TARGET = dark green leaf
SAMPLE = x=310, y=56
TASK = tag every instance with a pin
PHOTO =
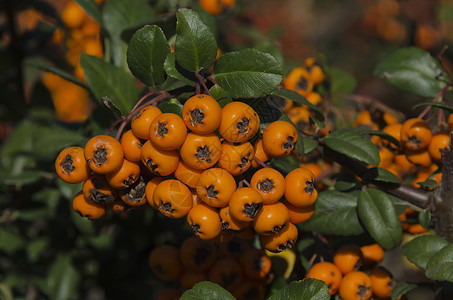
x=62, y=279
x=413, y=70
x=341, y=81
x=272, y=49
x=440, y=264
x=146, y=55
x=424, y=218
x=401, y=289
x=56, y=71
x=83, y=224
x=25, y=177
x=377, y=213
x=171, y=107
x=381, y=134
x=380, y=175
x=174, y=72
x=207, y=290
x=31, y=214
x=195, y=45
x=91, y=9
x=444, y=106
x=298, y=98
x=428, y=183
x=118, y=15
x=345, y=182
x=248, y=73
x=277, y=285
x=307, y=289
x=220, y=94
x=284, y=164
x=106, y=80
x=353, y=145
x=10, y=242
x=53, y=140
x=299, y=145
x=35, y=248
x=335, y=213
x=309, y=143
x=422, y=248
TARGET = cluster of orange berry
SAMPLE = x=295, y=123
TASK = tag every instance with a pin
x=236, y=266
x=354, y=273
x=181, y=167
x=215, y=7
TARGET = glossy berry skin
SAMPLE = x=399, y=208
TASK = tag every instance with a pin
x=215, y=187
x=372, y=254
x=355, y=285
x=229, y=222
x=124, y=177
x=270, y=183
x=299, y=215
x=200, y=151
x=142, y=121
x=245, y=204
x=167, y=131
x=348, y=258
x=132, y=146
x=173, y=198
x=149, y=190
x=239, y=123
x=439, y=141
x=71, y=165
x=187, y=175
x=327, y=272
x=204, y=221
x=104, y=154
x=97, y=190
x=159, y=162
x=271, y=219
x=86, y=208
x=236, y=158
x=280, y=241
x=300, y=187
x=202, y=114
x=299, y=80
x=415, y=134
x=259, y=154
x=279, y=138
x=382, y=282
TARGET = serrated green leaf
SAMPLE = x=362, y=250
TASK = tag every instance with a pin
x=422, y=248
x=353, y=145
x=146, y=55
x=248, y=73
x=195, y=45
x=444, y=106
x=298, y=98
x=106, y=80
x=341, y=82
x=207, y=290
x=177, y=72
x=413, y=70
x=10, y=242
x=307, y=289
x=56, y=71
x=345, y=182
x=380, y=175
x=401, y=289
x=335, y=213
x=119, y=15
x=91, y=8
x=424, y=218
x=62, y=279
x=377, y=213
x=440, y=264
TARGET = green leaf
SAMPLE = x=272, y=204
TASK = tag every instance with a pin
x=440, y=264
x=353, y=145
x=35, y=248
x=25, y=177
x=377, y=213
x=146, y=55
x=171, y=107
x=307, y=289
x=428, y=183
x=444, y=106
x=220, y=94
x=62, y=279
x=6, y=292
x=422, y=248
x=345, y=182
x=56, y=71
x=195, y=45
x=380, y=175
x=298, y=98
x=177, y=72
x=248, y=73
x=277, y=284
x=119, y=15
x=413, y=70
x=207, y=290
x=335, y=213
x=10, y=242
x=381, y=134
x=401, y=289
x=341, y=81
x=299, y=145
x=91, y=9
x=53, y=140
x=106, y=80
x=309, y=143
x=424, y=218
